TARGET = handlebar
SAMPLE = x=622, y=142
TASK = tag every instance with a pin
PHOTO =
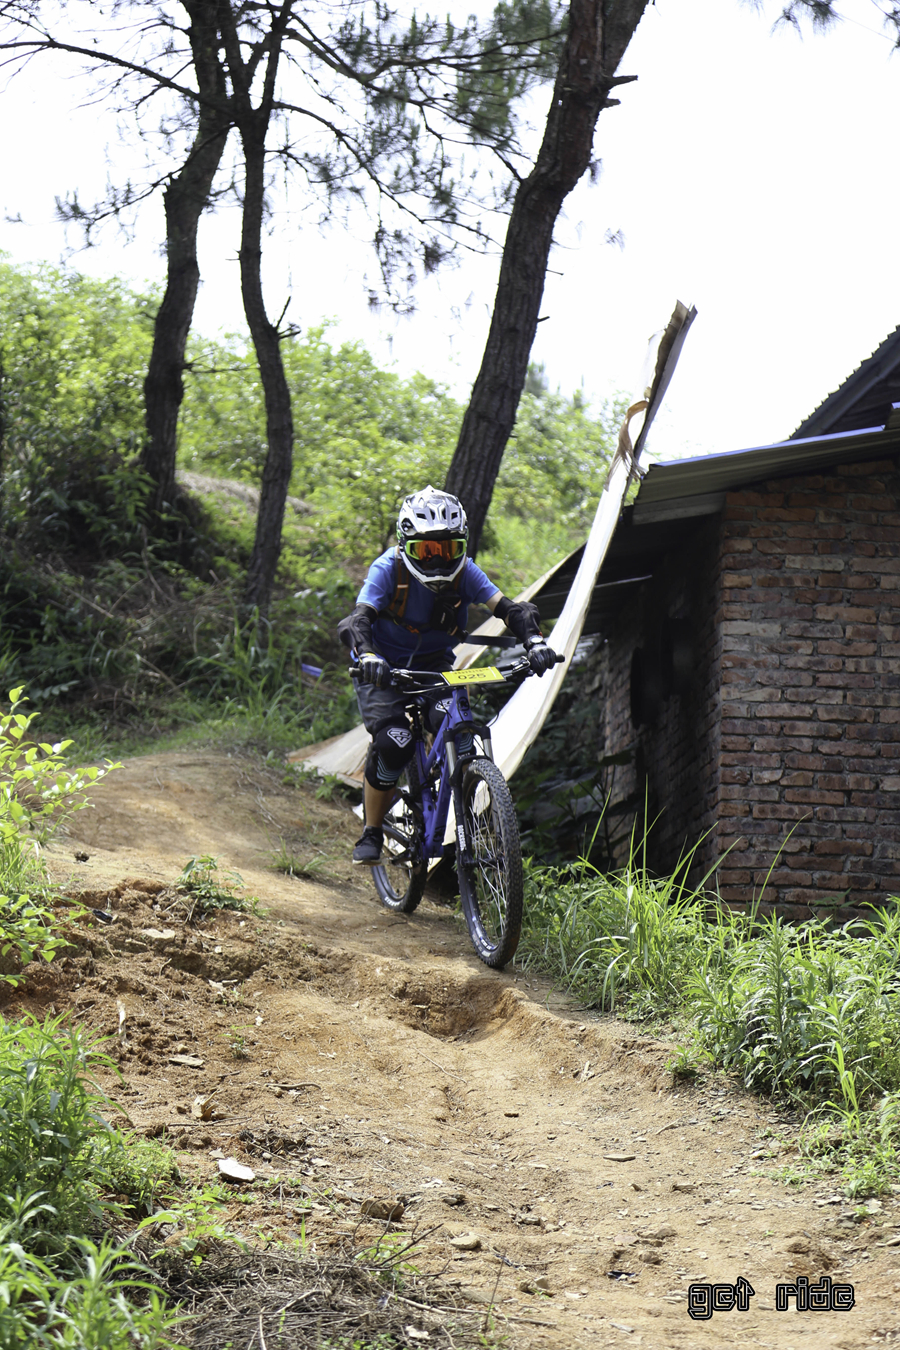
x=403, y=678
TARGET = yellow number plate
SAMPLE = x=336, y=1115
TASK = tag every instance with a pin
x=480, y=675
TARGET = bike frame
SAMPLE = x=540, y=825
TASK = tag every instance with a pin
x=444, y=757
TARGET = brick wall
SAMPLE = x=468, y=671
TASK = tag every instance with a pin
x=810, y=690
x=792, y=720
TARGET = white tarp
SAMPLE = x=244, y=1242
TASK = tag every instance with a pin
x=517, y=724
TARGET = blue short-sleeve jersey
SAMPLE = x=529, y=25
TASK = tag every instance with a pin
x=397, y=643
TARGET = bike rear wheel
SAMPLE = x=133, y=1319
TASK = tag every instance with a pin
x=400, y=879
x=491, y=884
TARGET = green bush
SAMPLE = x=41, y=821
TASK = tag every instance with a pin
x=49, y=1122
x=37, y=793
x=105, y=1303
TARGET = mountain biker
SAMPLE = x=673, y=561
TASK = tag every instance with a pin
x=412, y=611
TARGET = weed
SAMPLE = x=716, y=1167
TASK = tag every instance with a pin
x=199, y=880
x=389, y=1255
x=292, y=863
x=142, y=1171
x=50, y=1124
x=237, y=1044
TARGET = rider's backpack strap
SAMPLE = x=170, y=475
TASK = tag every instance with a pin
x=447, y=609
x=397, y=607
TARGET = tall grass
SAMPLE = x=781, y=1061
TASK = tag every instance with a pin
x=64, y=1279
x=806, y=1013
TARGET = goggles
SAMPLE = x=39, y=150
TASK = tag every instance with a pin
x=434, y=553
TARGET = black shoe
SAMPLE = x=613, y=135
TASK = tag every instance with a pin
x=368, y=846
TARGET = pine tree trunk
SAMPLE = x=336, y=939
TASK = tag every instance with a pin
x=185, y=200
x=599, y=31
x=279, y=417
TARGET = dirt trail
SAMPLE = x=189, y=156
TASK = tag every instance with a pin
x=384, y=1060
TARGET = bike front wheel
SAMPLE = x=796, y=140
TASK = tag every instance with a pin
x=400, y=879
x=490, y=876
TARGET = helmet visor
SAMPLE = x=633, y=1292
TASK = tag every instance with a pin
x=434, y=554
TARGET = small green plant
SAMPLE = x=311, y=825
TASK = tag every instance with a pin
x=294, y=863
x=200, y=882
x=237, y=1043
x=389, y=1255
x=139, y=1171
x=198, y=1222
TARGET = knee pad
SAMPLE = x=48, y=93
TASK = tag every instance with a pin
x=389, y=753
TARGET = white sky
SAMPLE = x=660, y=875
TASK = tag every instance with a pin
x=750, y=173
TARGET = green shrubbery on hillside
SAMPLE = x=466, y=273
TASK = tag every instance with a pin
x=365, y=437
x=101, y=609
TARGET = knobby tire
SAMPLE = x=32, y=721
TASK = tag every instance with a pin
x=400, y=884
x=491, y=885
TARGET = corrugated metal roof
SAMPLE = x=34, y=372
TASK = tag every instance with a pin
x=739, y=468
x=863, y=398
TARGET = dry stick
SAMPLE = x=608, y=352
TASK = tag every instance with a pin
x=484, y=1324
x=448, y=1072
x=262, y=1339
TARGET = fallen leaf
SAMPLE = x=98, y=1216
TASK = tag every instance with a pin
x=202, y=1107
x=620, y=1157
x=188, y=1061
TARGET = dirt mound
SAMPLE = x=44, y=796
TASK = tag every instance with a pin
x=541, y=1154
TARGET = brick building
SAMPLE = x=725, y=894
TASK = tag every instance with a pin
x=750, y=611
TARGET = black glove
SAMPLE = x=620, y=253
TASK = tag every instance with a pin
x=540, y=656
x=521, y=617
x=373, y=669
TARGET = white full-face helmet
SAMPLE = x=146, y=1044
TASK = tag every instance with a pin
x=433, y=533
